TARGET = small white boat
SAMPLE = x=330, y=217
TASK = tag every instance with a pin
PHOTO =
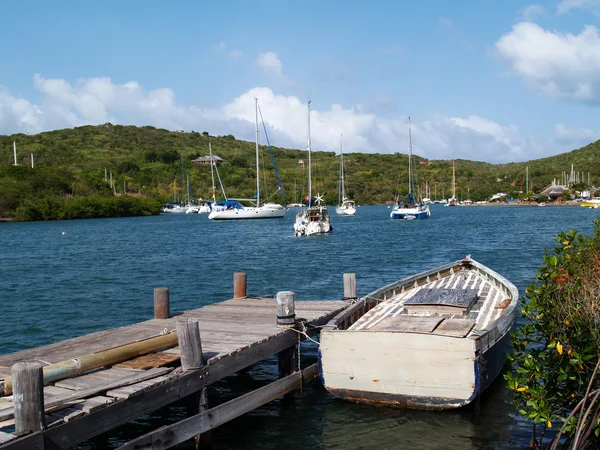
x=174, y=208
x=435, y=340
x=411, y=209
x=314, y=219
x=452, y=200
x=346, y=207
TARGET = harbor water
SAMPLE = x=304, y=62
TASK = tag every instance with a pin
x=63, y=279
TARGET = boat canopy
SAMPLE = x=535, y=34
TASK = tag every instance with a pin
x=229, y=204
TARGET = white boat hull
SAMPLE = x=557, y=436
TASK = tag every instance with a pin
x=399, y=369
x=248, y=212
x=175, y=210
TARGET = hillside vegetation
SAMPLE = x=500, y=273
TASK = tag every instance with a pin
x=155, y=163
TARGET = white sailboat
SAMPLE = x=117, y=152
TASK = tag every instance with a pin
x=346, y=207
x=411, y=209
x=233, y=210
x=452, y=201
x=314, y=219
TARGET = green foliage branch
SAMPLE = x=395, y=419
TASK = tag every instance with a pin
x=556, y=350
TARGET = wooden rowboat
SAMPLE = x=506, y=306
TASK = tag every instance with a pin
x=435, y=340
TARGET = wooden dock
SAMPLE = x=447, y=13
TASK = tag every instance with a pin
x=94, y=383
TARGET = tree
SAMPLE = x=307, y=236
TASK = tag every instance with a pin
x=556, y=351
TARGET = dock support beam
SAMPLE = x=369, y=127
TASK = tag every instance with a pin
x=28, y=394
x=239, y=284
x=190, y=347
x=161, y=303
x=350, y=286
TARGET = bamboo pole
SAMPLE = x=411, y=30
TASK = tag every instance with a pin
x=76, y=366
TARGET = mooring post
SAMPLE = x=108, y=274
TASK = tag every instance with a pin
x=286, y=317
x=350, y=286
x=239, y=284
x=161, y=303
x=28, y=395
x=190, y=348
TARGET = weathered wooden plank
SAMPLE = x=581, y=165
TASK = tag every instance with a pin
x=171, y=435
x=5, y=437
x=455, y=327
x=407, y=324
x=137, y=388
x=97, y=378
x=58, y=401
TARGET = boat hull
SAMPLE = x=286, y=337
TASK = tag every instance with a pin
x=418, y=212
x=248, y=213
x=410, y=370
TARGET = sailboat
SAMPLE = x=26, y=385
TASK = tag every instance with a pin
x=233, y=210
x=314, y=219
x=346, y=207
x=411, y=209
x=452, y=201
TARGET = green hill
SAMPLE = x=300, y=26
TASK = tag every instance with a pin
x=71, y=164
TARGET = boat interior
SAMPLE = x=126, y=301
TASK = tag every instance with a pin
x=455, y=304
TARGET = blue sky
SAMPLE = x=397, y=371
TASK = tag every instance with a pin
x=488, y=81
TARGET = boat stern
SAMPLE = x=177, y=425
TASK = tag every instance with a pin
x=408, y=370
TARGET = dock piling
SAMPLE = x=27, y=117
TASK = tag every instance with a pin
x=350, y=286
x=28, y=395
x=286, y=314
x=190, y=346
x=239, y=284
x=161, y=303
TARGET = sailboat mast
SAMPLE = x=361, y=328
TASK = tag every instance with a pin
x=453, y=179
x=257, y=164
x=212, y=172
x=309, y=162
x=410, y=181
x=342, y=166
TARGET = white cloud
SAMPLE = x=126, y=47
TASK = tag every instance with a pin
x=233, y=54
x=567, y=5
x=270, y=63
x=557, y=64
x=531, y=12
x=576, y=138
x=98, y=100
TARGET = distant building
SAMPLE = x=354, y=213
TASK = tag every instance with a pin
x=179, y=131
x=206, y=160
x=553, y=191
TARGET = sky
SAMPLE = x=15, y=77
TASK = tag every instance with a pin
x=502, y=81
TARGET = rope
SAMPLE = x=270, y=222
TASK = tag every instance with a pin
x=299, y=365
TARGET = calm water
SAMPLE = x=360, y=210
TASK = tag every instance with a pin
x=65, y=279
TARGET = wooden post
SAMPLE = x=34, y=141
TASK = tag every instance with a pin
x=239, y=284
x=161, y=303
x=286, y=314
x=28, y=394
x=190, y=348
x=350, y=286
